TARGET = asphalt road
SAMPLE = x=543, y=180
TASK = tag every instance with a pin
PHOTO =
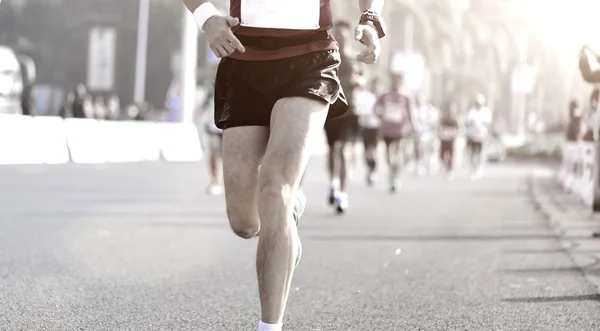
x=142, y=247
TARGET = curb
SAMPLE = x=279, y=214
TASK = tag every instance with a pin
x=572, y=222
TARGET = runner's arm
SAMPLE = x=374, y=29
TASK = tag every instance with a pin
x=374, y=5
x=192, y=5
x=489, y=120
x=411, y=115
x=597, y=125
x=218, y=32
x=587, y=61
x=377, y=107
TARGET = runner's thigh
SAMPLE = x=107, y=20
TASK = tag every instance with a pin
x=311, y=93
x=243, y=150
x=296, y=124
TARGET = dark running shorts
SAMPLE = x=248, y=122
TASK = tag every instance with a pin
x=475, y=146
x=246, y=91
x=391, y=140
x=343, y=129
x=370, y=137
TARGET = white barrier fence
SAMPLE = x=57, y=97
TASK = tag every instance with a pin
x=577, y=171
x=53, y=140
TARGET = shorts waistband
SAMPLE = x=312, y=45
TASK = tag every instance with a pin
x=275, y=43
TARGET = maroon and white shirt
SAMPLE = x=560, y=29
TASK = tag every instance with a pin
x=281, y=18
x=394, y=109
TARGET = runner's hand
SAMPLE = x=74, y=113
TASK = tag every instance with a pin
x=368, y=36
x=221, y=39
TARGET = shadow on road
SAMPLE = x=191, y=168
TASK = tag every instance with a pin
x=551, y=251
x=552, y=270
x=433, y=237
x=591, y=297
x=536, y=251
x=476, y=237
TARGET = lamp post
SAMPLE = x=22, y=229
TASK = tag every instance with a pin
x=141, y=52
x=189, y=62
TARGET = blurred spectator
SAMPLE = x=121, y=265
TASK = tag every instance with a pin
x=145, y=110
x=67, y=108
x=114, y=107
x=100, y=109
x=137, y=112
x=82, y=106
x=589, y=117
x=28, y=96
x=574, y=128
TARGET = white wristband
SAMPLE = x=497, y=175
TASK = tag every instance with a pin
x=204, y=12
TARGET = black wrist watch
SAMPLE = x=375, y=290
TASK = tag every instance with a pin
x=372, y=18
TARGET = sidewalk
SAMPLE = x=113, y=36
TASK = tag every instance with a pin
x=572, y=221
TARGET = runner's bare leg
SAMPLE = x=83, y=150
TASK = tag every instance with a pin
x=243, y=149
x=345, y=165
x=333, y=161
x=295, y=123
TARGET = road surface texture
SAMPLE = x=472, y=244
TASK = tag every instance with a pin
x=573, y=222
x=142, y=247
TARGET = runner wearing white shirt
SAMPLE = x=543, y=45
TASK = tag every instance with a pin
x=365, y=99
x=478, y=124
x=426, y=138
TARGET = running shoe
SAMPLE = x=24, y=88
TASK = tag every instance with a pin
x=477, y=174
x=333, y=193
x=214, y=189
x=395, y=184
x=341, y=202
x=421, y=171
x=370, y=178
x=299, y=206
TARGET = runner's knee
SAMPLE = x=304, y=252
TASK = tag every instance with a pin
x=347, y=152
x=275, y=191
x=241, y=219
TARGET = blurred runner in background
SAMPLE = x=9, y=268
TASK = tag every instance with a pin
x=365, y=99
x=447, y=132
x=343, y=132
x=427, y=119
x=394, y=110
x=478, y=125
x=211, y=136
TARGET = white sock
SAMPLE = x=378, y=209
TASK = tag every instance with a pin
x=269, y=327
x=335, y=183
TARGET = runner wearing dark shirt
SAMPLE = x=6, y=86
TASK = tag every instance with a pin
x=448, y=131
x=276, y=85
x=343, y=132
